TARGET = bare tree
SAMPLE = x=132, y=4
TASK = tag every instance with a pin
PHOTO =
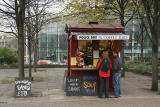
x=29, y=37
x=124, y=11
x=37, y=17
x=152, y=14
x=142, y=39
x=14, y=10
x=152, y=11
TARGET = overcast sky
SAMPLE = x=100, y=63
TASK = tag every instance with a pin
x=55, y=8
x=59, y=6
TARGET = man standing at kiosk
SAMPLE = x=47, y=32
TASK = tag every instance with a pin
x=104, y=65
x=117, y=64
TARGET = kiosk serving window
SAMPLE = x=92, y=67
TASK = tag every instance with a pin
x=87, y=50
x=89, y=55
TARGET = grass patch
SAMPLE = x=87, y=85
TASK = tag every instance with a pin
x=144, y=68
x=27, y=66
x=39, y=79
x=38, y=71
x=8, y=80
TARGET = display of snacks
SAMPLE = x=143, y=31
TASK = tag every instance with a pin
x=79, y=59
x=88, y=54
x=89, y=66
x=84, y=56
x=80, y=65
x=80, y=54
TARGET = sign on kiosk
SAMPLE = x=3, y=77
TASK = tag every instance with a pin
x=103, y=37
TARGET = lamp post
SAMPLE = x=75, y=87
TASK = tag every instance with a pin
x=58, y=43
x=27, y=57
x=47, y=42
x=132, y=44
x=3, y=40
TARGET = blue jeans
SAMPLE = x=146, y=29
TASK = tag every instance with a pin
x=116, y=83
x=101, y=87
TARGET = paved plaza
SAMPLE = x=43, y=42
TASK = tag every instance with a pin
x=135, y=92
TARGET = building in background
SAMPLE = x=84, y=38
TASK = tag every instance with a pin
x=133, y=47
x=53, y=41
x=9, y=41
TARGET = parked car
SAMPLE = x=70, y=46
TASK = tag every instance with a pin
x=44, y=62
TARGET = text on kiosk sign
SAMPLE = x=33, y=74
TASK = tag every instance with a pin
x=102, y=37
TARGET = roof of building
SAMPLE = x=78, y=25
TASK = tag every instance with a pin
x=94, y=26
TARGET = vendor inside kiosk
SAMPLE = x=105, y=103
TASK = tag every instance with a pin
x=91, y=53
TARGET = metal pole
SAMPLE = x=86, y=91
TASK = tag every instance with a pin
x=27, y=60
x=58, y=43
x=39, y=40
x=133, y=41
x=4, y=42
x=47, y=42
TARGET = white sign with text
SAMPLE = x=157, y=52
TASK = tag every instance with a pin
x=103, y=37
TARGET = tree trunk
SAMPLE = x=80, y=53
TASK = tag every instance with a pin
x=36, y=41
x=30, y=57
x=21, y=53
x=142, y=50
x=142, y=43
x=20, y=18
x=35, y=53
x=29, y=43
x=154, y=61
x=123, y=60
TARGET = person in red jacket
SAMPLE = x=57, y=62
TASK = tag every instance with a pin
x=104, y=66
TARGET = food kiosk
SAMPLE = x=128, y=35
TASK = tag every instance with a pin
x=85, y=44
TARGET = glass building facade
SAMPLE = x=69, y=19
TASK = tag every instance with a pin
x=52, y=41
x=133, y=47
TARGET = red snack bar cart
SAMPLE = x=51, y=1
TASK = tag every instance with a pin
x=87, y=41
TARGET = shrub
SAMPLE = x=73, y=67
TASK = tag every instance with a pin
x=7, y=56
x=149, y=62
x=137, y=61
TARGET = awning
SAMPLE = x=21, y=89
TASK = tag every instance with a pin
x=100, y=36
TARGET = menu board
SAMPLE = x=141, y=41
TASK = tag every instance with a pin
x=73, y=86
x=89, y=85
x=22, y=87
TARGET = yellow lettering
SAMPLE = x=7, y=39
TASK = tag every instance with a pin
x=87, y=84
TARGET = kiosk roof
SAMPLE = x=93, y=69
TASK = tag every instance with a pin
x=93, y=27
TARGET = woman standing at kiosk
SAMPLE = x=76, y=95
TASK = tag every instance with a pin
x=104, y=66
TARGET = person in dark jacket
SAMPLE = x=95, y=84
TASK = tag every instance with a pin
x=104, y=65
x=117, y=64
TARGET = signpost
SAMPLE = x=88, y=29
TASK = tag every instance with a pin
x=73, y=86
x=22, y=87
